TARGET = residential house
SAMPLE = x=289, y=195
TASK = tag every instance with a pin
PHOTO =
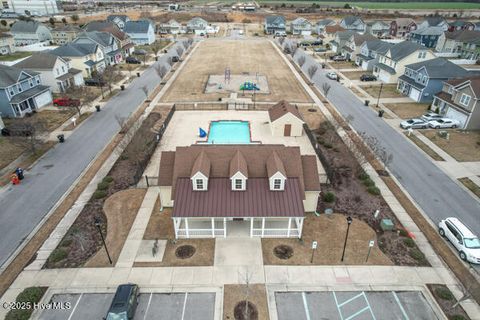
x=379, y=29
x=301, y=26
x=197, y=26
x=436, y=21
x=353, y=23
x=54, y=71
x=7, y=44
x=368, y=56
x=341, y=37
x=170, y=27
x=141, y=32
x=65, y=34
x=461, y=25
x=330, y=33
x=401, y=27
x=87, y=57
x=391, y=64
x=119, y=19
x=427, y=36
x=107, y=43
x=21, y=92
x=465, y=44
x=320, y=25
x=29, y=32
x=354, y=43
x=275, y=25
x=422, y=80
x=123, y=40
x=213, y=188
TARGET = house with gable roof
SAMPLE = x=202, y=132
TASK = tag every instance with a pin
x=353, y=23
x=301, y=26
x=285, y=120
x=29, y=32
x=276, y=25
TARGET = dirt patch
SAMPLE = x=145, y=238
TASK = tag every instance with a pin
x=120, y=211
x=234, y=301
x=160, y=225
x=343, y=65
x=470, y=185
x=408, y=110
x=9, y=151
x=52, y=119
x=213, y=56
x=312, y=116
x=283, y=252
x=425, y=148
x=447, y=301
x=388, y=91
x=462, y=145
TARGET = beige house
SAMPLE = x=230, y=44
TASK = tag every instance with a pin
x=87, y=57
x=65, y=34
x=285, y=120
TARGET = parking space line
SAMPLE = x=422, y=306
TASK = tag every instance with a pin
x=368, y=304
x=184, y=305
x=305, y=305
x=75, y=307
x=400, y=305
x=351, y=299
x=336, y=303
x=357, y=313
x=148, y=306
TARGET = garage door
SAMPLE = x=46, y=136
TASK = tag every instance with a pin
x=414, y=94
x=306, y=33
x=454, y=114
x=43, y=99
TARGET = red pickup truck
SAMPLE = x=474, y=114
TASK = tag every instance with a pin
x=66, y=102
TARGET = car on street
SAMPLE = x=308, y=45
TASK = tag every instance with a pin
x=175, y=59
x=132, y=60
x=66, y=102
x=414, y=123
x=462, y=238
x=339, y=58
x=140, y=52
x=431, y=116
x=332, y=75
x=368, y=77
x=124, y=303
x=443, y=123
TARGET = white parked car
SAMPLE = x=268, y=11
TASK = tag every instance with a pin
x=332, y=75
x=431, y=116
x=415, y=123
x=443, y=123
x=467, y=244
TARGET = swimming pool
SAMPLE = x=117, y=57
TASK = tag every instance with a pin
x=229, y=132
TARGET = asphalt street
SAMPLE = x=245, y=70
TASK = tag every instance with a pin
x=23, y=206
x=434, y=191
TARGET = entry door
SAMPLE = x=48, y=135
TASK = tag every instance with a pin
x=287, y=130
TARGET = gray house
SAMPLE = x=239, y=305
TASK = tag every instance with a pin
x=29, y=32
x=140, y=32
x=368, y=56
x=106, y=41
x=422, y=80
x=197, y=25
x=354, y=23
x=301, y=26
x=21, y=92
x=119, y=19
x=275, y=25
x=322, y=24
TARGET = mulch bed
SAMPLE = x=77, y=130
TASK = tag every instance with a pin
x=240, y=312
x=234, y=302
x=446, y=301
x=185, y=251
x=283, y=251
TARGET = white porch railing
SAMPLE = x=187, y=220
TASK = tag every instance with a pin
x=200, y=233
x=275, y=233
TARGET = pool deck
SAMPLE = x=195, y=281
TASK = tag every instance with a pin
x=183, y=131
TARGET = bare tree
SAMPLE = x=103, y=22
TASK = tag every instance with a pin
x=287, y=49
x=26, y=133
x=281, y=40
x=190, y=41
x=466, y=293
x=161, y=71
x=110, y=75
x=294, y=49
x=129, y=68
x=325, y=88
x=156, y=47
x=84, y=95
x=378, y=149
x=179, y=51
x=301, y=61
x=246, y=277
x=185, y=44
x=312, y=70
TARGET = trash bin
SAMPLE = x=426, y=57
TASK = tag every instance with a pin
x=323, y=65
x=138, y=74
x=122, y=87
x=61, y=138
x=367, y=102
x=97, y=107
x=156, y=58
x=380, y=113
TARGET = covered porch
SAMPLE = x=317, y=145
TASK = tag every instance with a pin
x=29, y=100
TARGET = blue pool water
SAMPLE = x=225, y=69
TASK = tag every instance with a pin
x=229, y=132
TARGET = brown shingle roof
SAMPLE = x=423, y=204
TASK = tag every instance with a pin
x=474, y=82
x=333, y=29
x=281, y=109
x=310, y=173
x=167, y=162
x=274, y=165
x=201, y=164
x=238, y=164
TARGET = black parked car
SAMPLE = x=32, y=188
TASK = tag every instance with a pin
x=93, y=82
x=174, y=59
x=132, y=60
x=368, y=77
x=124, y=303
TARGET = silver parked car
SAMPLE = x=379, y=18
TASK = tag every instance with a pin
x=414, y=123
x=431, y=116
x=332, y=75
x=462, y=238
x=443, y=123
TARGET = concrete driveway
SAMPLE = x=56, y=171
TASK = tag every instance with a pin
x=24, y=206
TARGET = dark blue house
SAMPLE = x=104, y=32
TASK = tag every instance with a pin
x=427, y=36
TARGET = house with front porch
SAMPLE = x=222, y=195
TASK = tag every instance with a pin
x=276, y=25
x=141, y=32
x=55, y=71
x=320, y=25
x=379, y=29
x=391, y=64
x=463, y=44
x=29, y=32
x=353, y=23
x=170, y=27
x=330, y=33
x=341, y=37
x=21, y=92
x=301, y=26
x=124, y=43
x=106, y=42
x=353, y=45
x=65, y=34
x=87, y=57
x=422, y=80
x=197, y=26
x=401, y=27
x=368, y=55
x=266, y=188
x=460, y=100
x=427, y=36
x=460, y=25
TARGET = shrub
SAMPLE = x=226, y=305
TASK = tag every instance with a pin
x=66, y=243
x=327, y=145
x=368, y=182
x=31, y=296
x=403, y=233
x=444, y=293
x=99, y=194
x=363, y=176
x=373, y=190
x=102, y=185
x=409, y=242
x=329, y=197
x=458, y=317
x=108, y=179
x=57, y=255
x=417, y=254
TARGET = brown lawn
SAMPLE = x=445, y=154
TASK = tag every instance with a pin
x=408, y=110
x=388, y=91
x=343, y=64
x=462, y=145
x=355, y=75
x=51, y=119
x=312, y=116
x=429, y=151
x=9, y=151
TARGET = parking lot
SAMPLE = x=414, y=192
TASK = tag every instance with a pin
x=159, y=306
x=353, y=305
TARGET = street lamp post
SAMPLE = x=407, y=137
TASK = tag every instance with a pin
x=379, y=94
x=349, y=222
x=97, y=224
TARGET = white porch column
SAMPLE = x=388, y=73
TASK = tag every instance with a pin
x=263, y=227
x=224, y=227
x=251, y=227
x=175, y=225
x=213, y=227
x=300, y=227
x=289, y=227
x=187, y=234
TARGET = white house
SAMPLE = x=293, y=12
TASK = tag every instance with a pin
x=170, y=27
x=301, y=26
x=197, y=25
x=353, y=23
x=140, y=32
x=29, y=32
x=285, y=120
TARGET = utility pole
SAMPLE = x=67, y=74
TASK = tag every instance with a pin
x=379, y=94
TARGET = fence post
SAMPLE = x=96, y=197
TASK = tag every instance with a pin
x=146, y=179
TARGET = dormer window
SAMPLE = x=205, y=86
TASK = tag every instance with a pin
x=238, y=184
x=199, y=185
x=277, y=184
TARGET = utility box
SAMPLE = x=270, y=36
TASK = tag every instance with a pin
x=386, y=225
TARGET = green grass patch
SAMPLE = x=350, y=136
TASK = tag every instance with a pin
x=329, y=197
x=57, y=255
x=444, y=293
x=27, y=297
x=15, y=56
x=99, y=194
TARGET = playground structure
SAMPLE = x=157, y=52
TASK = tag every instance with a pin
x=245, y=83
x=249, y=86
